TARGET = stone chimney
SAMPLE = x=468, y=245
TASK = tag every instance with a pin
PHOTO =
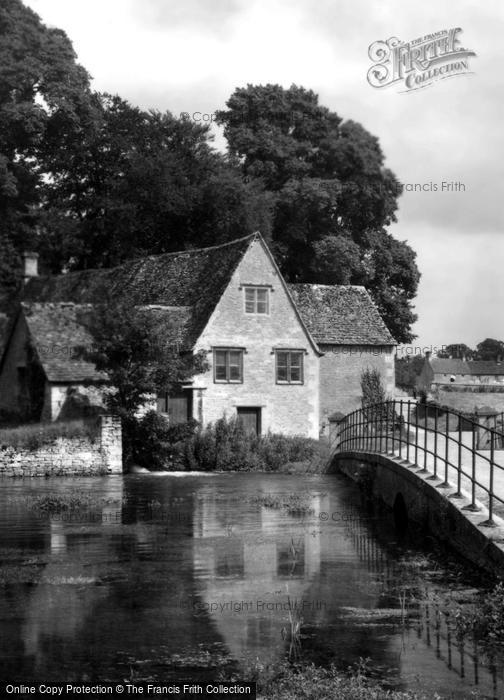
x=30, y=265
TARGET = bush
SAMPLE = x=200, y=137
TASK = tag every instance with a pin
x=372, y=389
x=226, y=446
x=35, y=435
x=486, y=621
x=157, y=445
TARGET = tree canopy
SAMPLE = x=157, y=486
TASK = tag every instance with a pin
x=43, y=92
x=89, y=180
x=333, y=197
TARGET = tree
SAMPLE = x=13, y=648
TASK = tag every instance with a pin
x=372, y=387
x=459, y=351
x=490, y=349
x=407, y=370
x=333, y=197
x=139, y=350
x=142, y=183
x=43, y=91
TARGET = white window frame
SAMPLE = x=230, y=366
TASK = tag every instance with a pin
x=254, y=291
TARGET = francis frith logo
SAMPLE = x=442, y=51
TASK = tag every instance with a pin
x=418, y=63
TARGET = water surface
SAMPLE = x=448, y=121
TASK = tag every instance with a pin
x=173, y=578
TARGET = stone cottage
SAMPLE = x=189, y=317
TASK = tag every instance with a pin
x=283, y=357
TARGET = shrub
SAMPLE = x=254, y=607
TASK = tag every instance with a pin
x=154, y=441
x=35, y=435
x=227, y=446
x=485, y=621
x=372, y=389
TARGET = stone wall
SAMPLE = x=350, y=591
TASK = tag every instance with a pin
x=341, y=368
x=285, y=408
x=69, y=456
x=414, y=497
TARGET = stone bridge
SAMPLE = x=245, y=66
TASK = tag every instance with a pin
x=429, y=470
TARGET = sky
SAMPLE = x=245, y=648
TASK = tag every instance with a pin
x=190, y=55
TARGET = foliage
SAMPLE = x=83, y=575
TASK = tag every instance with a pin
x=155, y=440
x=143, y=183
x=372, y=388
x=139, y=350
x=407, y=370
x=490, y=349
x=333, y=197
x=43, y=98
x=293, y=503
x=485, y=621
x=309, y=682
x=35, y=435
x=226, y=446
x=459, y=351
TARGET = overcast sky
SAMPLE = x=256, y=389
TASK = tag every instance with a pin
x=189, y=56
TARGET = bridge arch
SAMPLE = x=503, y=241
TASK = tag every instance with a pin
x=412, y=495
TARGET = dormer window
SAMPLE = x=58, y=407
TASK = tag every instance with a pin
x=257, y=300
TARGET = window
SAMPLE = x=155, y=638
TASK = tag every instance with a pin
x=228, y=366
x=256, y=300
x=289, y=367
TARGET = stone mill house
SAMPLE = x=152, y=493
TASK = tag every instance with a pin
x=284, y=357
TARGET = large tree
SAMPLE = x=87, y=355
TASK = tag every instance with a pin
x=490, y=349
x=138, y=183
x=333, y=196
x=42, y=90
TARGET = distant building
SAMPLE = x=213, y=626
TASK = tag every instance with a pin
x=440, y=372
x=283, y=357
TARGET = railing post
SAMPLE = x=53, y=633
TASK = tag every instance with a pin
x=416, y=435
x=408, y=431
x=446, y=484
x=490, y=522
x=458, y=493
x=386, y=426
x=424, y=469
x=435, y=440
x=400, y=431
x=436, y=416
x=473, y=507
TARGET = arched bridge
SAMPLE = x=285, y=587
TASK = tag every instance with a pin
x=434, y=466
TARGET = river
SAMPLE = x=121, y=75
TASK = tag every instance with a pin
x=167, y=577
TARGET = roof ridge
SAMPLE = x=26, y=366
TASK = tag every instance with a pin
x=129, y=261
x=329, y=286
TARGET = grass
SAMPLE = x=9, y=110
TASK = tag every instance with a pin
x=303, y=681
x=35, y=435
x=293, y=503
x=57, y=503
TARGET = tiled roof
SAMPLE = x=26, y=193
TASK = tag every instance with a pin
x=473, y=367
x=486, y=367
x=192, y=278
x=57, y=334
x=340, y=314
x=442, y=365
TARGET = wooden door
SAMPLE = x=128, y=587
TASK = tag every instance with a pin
x=178, y=406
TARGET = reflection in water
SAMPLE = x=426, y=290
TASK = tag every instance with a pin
x=166, y=576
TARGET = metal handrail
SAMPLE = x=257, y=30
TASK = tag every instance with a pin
x=395, y=424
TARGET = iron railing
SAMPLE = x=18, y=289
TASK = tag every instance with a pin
x=414, y=432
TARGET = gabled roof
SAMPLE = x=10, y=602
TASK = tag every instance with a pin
x=340, y=314
x=472, y=367
x=192, y=278
x=57, y=335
